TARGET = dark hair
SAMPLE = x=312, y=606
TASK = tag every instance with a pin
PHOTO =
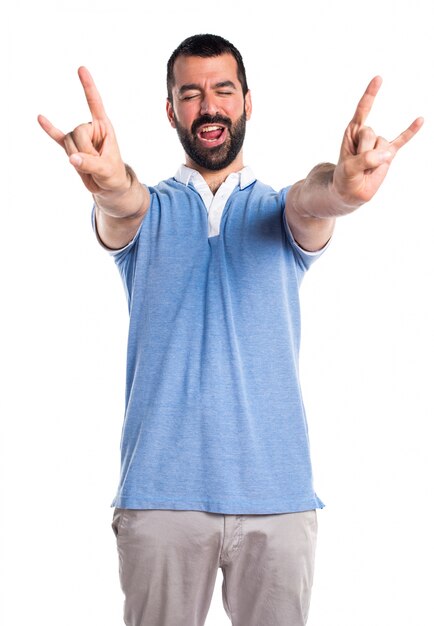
x=205, y=46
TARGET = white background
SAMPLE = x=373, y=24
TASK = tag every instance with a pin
x=367, y=335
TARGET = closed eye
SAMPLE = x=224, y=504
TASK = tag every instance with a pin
x=190, y=97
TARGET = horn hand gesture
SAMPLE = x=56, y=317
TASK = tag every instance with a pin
x=366, y=157
x=92, y=148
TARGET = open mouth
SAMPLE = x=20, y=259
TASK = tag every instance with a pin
x=212, y=134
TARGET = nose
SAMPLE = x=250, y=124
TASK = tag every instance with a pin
x=209, y=104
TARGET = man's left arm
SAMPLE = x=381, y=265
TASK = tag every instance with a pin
x=330, y=191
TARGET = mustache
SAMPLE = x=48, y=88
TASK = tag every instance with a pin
x=210, y=119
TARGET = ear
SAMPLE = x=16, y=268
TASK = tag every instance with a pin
x=248, y=104
x=170, y=113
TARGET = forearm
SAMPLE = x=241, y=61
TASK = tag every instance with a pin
x=316, y=197
x=312, y=206
x=118, y=213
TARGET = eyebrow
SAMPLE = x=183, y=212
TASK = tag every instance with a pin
x=195, y=86
x=225, y=83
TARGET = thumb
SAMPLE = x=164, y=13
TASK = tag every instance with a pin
x=76, y=160
x=87, y=164
x=369, y=160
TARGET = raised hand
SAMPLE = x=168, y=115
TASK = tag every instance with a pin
x=366, y=157
x=92, y=148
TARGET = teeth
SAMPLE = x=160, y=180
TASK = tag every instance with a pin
x=208, y=129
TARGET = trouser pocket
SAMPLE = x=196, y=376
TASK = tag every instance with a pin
x=118, y=516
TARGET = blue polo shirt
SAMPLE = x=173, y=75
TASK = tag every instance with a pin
x=214, y=416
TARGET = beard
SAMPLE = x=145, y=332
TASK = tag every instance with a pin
x=213, y=158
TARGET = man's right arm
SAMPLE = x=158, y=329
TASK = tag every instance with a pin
x=121, y=201
x=118, y=214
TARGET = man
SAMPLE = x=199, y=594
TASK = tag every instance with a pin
x=216, y=469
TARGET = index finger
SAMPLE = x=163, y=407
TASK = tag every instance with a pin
x=92, y=94
x=366, y=101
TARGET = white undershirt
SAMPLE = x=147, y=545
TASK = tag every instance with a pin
x=215, y=204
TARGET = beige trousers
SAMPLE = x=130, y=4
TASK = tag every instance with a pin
x=168, y=562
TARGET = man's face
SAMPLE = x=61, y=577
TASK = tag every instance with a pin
x=209, y=111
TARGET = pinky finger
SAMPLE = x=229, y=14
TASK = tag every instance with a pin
x=51, y=130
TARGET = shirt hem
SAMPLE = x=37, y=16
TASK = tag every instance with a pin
x=214, y=506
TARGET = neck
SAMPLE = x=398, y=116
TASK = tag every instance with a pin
x=214, y=178
x=215, y=182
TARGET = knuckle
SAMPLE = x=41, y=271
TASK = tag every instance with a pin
x=77, y=132
x=367, y=132
x=371, y=159
x=69, y=144
x=381, y=141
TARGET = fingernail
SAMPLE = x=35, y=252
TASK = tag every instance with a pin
x=75, y=160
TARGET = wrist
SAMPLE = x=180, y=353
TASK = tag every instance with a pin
x=315, y=196
x=118, y=185
x=342, y=202
x=126, y=200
